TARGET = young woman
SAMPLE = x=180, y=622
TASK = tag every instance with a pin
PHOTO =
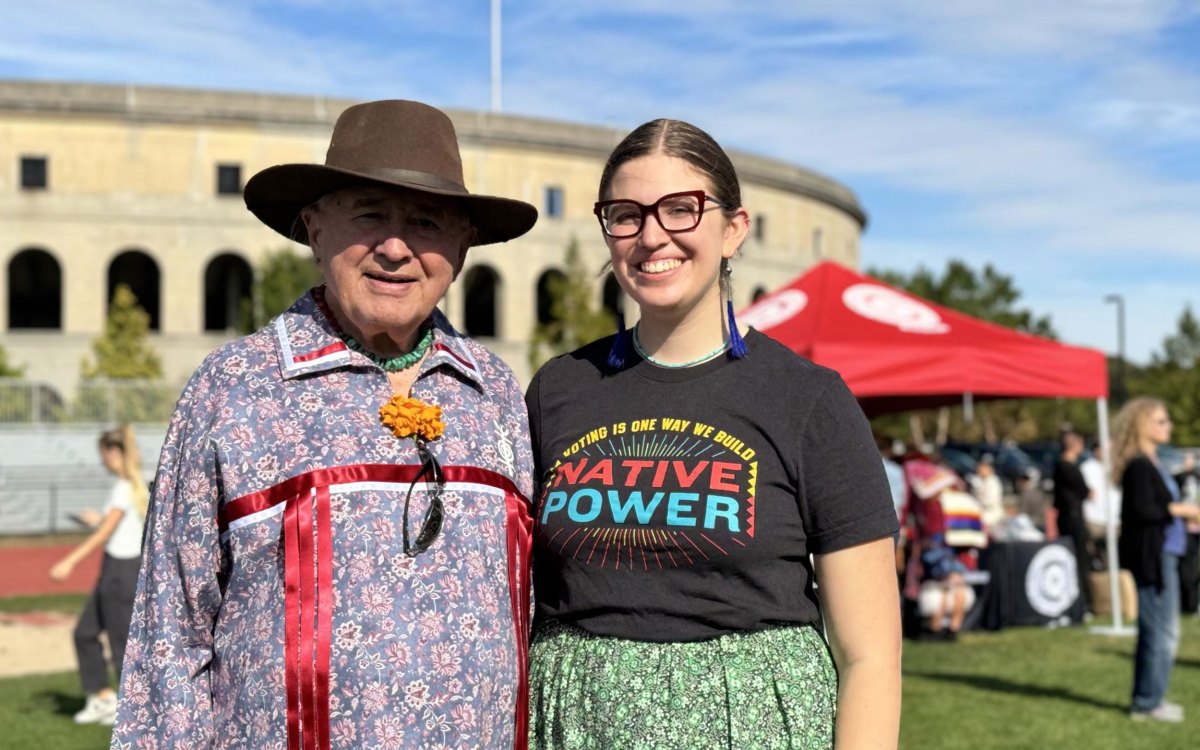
x=1153, y=538
x=688, y=476
x=117, y=528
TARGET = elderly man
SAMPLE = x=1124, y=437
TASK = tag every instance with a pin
x=337, y=548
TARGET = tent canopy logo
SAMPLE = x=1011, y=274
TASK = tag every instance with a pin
x=887, y=306
x=778, y=308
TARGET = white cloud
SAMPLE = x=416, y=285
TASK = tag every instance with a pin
x=1169, y=119
x=1009, y=27
x=215, y=44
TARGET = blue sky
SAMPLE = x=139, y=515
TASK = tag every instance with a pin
x=1059, y=141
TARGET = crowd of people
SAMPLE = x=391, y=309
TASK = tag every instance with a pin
x=947, y=521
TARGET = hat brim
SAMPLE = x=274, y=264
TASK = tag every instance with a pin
x=277, y=194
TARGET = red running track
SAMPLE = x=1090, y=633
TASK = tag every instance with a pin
x=25, y=571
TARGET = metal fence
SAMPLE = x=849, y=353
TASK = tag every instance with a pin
x=97, y=401
x=43, y=499
x=48, y=473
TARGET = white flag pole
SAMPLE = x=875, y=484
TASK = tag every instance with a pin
x=495, y=55
x=1110, y=529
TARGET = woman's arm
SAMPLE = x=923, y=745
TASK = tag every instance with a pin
x=861, y=607
x=1184, y=510
x=62, y=569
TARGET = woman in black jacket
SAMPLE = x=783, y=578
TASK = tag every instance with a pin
x=1152, y=540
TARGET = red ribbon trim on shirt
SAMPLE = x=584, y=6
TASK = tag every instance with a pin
x=395, y=473
x=308, y=599
x=440, y=347
x=292, y=657
x=324, y=614
x=520, y=542
x=333, y=348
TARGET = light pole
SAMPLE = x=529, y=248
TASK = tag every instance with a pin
x=1119, y=301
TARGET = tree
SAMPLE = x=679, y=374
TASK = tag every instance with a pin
x=16, y=399
x=115, y=387
x=1172, y=376
x=575, y=319
x=8, y=370
x=122, y=351
x=1182, y=348
x=281, y=277
x=987, y=295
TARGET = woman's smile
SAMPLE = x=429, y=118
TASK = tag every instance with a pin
x=660, y=266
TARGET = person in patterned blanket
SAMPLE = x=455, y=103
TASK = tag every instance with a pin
x=337, y=547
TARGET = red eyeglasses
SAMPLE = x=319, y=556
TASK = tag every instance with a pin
x=676, y=212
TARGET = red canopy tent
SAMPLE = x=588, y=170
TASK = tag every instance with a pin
x=898, y=352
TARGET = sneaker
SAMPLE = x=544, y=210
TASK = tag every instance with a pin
x=98, y=710
x=1171, y=713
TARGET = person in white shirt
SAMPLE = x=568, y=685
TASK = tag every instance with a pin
x=1094, y=513
x=118, y=528
x=990, y=494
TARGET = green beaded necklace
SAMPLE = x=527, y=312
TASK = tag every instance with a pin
x=637, y=345
x=395, y=364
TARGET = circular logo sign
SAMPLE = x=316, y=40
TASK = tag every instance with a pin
x=892, y=308
x=770, y=312
x=1050, y=582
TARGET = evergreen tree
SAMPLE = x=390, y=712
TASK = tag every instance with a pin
x=575, y=317
x=115, y=387
x=15, y=400
x=122, y=351
x=283, y=275
x=1182, y=348
x=1172, y=376
x=8, y=370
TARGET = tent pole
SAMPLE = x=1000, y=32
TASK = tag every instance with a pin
x=1110, y=527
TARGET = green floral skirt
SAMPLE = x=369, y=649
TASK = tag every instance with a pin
x=774, y=688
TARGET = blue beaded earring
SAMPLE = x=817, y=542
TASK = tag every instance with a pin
x=737, y=346
x=616, y=355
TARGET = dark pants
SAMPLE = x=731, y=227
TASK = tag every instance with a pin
x=1189, y=576
x=1071, y=527
x=108, y=610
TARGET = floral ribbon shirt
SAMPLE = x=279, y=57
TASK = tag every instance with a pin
x=276, y=607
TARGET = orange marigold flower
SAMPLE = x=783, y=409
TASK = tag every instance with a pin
x=411, y=417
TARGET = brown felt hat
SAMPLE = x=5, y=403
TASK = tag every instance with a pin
x=398, y=143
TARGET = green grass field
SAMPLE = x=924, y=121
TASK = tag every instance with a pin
x=1025, y=688
x=1037, y=688
x=70, y=604
x=35, y=713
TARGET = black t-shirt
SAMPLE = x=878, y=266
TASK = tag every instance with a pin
x=682, y=504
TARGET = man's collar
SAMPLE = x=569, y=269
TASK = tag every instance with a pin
x=308, y=344
x=450, y=348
